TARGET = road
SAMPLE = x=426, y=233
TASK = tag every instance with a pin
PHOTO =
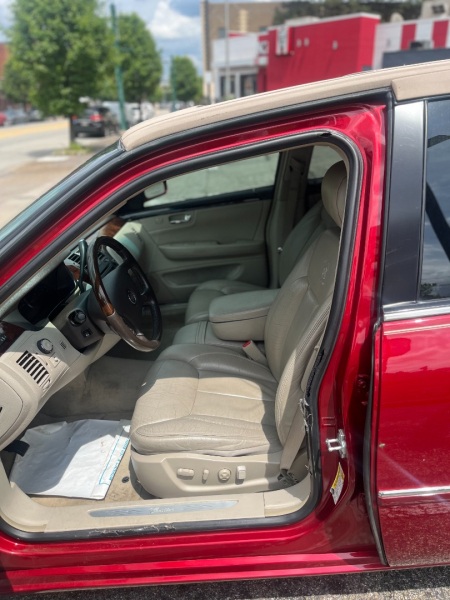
x=21, y=144
x=28, y=165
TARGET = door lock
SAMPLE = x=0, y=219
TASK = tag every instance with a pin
x=338, y=444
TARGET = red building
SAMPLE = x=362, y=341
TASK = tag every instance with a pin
x=310, y=50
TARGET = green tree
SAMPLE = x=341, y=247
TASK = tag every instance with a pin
x=16, y=84
x=184, y=78
x=139, y=57
x=62, y=50
x=409, y=9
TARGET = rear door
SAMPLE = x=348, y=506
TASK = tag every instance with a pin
x=409, y=463
x=209, y=225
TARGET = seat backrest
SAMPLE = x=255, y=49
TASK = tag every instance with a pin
x=315, y=222
x=299, y=314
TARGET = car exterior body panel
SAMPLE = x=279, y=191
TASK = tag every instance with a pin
x=413, y=480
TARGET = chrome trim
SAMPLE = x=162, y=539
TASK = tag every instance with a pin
x=162, y=509
x=425, y=491
x=416, y=313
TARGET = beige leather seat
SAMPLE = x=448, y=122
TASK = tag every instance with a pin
x=303, y=234
x=210, y=420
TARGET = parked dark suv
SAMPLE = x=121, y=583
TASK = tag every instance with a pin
x=96, y=121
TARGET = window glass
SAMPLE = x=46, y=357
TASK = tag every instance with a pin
x=248, y=174
x=435, y=280
x=323, y=157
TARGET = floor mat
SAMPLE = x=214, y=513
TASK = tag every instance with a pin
x=76, y=460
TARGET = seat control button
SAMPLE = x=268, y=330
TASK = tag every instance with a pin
x=224, y=474
x=185, y=472
x=205, y=474
x=241, y=473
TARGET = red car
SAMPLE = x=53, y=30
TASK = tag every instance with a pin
x=3, y=119
x=225, y=345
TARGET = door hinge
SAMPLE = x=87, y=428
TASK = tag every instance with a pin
x=338, y=444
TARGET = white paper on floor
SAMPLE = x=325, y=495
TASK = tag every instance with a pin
x=75, y=460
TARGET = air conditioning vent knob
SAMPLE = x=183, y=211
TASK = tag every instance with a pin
x=45, y=346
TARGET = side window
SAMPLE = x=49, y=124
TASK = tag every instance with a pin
x=323, y=157
x=435, y=278
x=249, y=175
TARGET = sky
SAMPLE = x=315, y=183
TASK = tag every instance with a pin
x=175, y=24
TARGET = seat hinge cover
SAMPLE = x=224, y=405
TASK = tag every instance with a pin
x=338, y=444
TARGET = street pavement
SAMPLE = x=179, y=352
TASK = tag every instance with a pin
x=21, y=144
x=29, y=166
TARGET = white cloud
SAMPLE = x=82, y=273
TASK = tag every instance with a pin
x=168, y=24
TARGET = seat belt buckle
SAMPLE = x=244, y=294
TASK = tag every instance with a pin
x=288, y=477
x=254, y=353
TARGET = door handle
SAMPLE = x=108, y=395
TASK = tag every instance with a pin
x=180, y=219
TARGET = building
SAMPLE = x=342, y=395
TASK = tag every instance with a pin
x=308, y=50
x=311, y=49
x=3, y=59
x=243, y=68
x=244, y=17
x=408, y=42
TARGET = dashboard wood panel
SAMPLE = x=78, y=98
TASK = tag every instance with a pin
x=9, y=333
x=112, y=227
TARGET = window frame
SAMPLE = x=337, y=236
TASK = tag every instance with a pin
x=405, y=244
x=134, y=207
x=237, y=192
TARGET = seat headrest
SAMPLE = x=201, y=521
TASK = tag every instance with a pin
x=334, y=192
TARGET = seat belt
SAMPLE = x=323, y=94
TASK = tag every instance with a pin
x=297, y=430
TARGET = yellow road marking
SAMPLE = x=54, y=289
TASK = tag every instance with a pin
x=17, y=130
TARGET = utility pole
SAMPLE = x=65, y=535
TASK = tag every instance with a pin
x=173, y=83
x=118, y=70
x=227, y=51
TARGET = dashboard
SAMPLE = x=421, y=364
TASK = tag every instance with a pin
x=52, y=336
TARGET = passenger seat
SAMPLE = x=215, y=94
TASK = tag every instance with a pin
x=315, y=222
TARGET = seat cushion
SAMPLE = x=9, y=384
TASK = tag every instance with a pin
x=205, y=293
x=207, y=400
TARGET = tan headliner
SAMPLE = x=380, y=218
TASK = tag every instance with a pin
x=407, y=83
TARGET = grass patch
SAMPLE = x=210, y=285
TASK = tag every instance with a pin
x=74, y=149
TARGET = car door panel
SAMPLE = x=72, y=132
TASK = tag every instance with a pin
x=411, y=476
x=216, y=242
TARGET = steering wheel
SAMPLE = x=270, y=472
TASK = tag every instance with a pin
x=122, y=295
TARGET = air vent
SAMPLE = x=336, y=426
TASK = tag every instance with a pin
x=34, y=368
x=75, y=257
x=63, y=346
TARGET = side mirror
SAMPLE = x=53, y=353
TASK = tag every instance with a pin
x=155, y=191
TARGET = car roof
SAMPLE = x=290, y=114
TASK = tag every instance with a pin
x=407, y=83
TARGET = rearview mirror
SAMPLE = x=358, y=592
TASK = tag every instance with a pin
x=155, y=191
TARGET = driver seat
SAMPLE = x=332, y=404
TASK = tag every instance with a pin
x=210, y=420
